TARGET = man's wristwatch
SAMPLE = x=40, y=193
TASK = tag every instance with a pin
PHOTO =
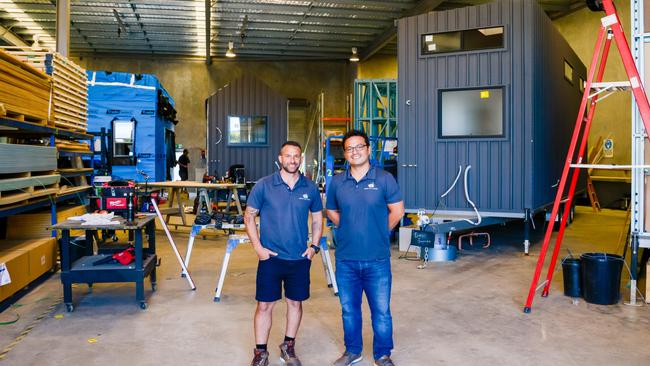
x=316, y=248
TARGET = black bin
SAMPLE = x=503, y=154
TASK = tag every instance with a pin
x=572, y=272
x=601, y=278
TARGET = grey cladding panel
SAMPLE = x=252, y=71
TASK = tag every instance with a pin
x=246, y=96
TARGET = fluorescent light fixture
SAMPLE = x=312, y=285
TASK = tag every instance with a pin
x=432, y=47
x=354, y=57
x=428, y=38
x=491, y=31
x=231, y=52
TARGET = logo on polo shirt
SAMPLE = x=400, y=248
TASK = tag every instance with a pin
x=371, y=187
x=305, y=197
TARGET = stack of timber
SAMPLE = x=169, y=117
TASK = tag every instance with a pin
x=69, y=87
x=24, y=91
x=74, y=146
x=28, y=174
x=34, y=225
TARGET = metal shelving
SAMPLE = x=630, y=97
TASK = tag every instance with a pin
x=10, y=127
x=375, y=113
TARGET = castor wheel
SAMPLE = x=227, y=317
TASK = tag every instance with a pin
x=143, y=305
x=69, y=307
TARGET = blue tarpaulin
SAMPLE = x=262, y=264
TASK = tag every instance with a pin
x=125, y=96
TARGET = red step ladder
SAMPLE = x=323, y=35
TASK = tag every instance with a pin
x=610, y=28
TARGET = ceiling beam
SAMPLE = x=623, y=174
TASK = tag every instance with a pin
x=390, y=33
x=8, y=36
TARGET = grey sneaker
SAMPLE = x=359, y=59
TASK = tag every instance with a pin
x=288, y=353
x=348, y=359
x=384, y=361
x=260, y=358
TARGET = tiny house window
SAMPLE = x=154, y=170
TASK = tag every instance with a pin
x=465, y=40
x=581, y=86
x=568, y=72
x=468, y=113
x=247, y=130
x=123, y=142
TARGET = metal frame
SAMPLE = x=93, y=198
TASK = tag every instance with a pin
x=368, y=95
x=639, y=39
x=202, y=29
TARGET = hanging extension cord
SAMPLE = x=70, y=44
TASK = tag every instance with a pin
x=460, y=170
x=478, y=215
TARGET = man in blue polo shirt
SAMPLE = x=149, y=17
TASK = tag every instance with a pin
x=365, y=203
x=284, y=200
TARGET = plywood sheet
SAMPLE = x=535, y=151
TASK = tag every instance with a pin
x=20, y=158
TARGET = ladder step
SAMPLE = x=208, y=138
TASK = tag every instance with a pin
x=611, y=85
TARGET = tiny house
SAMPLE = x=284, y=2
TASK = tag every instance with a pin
x=488, y=98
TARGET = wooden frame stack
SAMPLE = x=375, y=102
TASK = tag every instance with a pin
x=69, y=95
x=24, y=91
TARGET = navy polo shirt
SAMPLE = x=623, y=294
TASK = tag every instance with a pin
x=363, y=229
x=284, y=213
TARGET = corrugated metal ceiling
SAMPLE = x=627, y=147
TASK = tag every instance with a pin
x=279, y=29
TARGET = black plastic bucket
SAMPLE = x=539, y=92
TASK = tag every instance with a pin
x=601, y=278
x=572, y=271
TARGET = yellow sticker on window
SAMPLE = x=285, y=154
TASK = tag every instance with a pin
x=485, y=94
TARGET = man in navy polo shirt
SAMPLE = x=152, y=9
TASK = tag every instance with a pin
x=284, y=200
x=365, y=203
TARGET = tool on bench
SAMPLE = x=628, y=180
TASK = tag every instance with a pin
x=125, y=257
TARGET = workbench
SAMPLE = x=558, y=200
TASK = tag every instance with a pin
x=82, y=270
x=202, y=191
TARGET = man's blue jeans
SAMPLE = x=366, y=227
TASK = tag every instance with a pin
x=374, y=278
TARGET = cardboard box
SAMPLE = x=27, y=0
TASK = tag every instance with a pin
x=41, y=254
x=17, y=262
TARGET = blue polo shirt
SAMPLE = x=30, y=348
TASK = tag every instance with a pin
x=284, y=213
x=363, y=230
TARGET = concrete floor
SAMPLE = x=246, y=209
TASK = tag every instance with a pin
x=461, y=313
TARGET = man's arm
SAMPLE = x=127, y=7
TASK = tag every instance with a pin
x=316, y=233
x=395, y=214
x=253, y=235
x=334, y=216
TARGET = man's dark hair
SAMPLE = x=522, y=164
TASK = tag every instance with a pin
x=290, y=143
x=185, y=151
x=353, y=133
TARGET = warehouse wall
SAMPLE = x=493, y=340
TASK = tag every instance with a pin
x=580, y=29
x=378, y=67
x=612, y=118
x=191, y=82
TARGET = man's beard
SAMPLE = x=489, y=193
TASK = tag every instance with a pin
x=287, y=167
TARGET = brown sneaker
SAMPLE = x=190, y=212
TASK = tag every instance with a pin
x=260, y=358
x=384, y=361
x=348, y=359
x=288, y=353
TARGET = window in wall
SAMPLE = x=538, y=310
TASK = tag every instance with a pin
x=123, y=142
x=468, y=113
x=568, y=72
x=247, y=130
x=581, y=87
x=465, y=40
